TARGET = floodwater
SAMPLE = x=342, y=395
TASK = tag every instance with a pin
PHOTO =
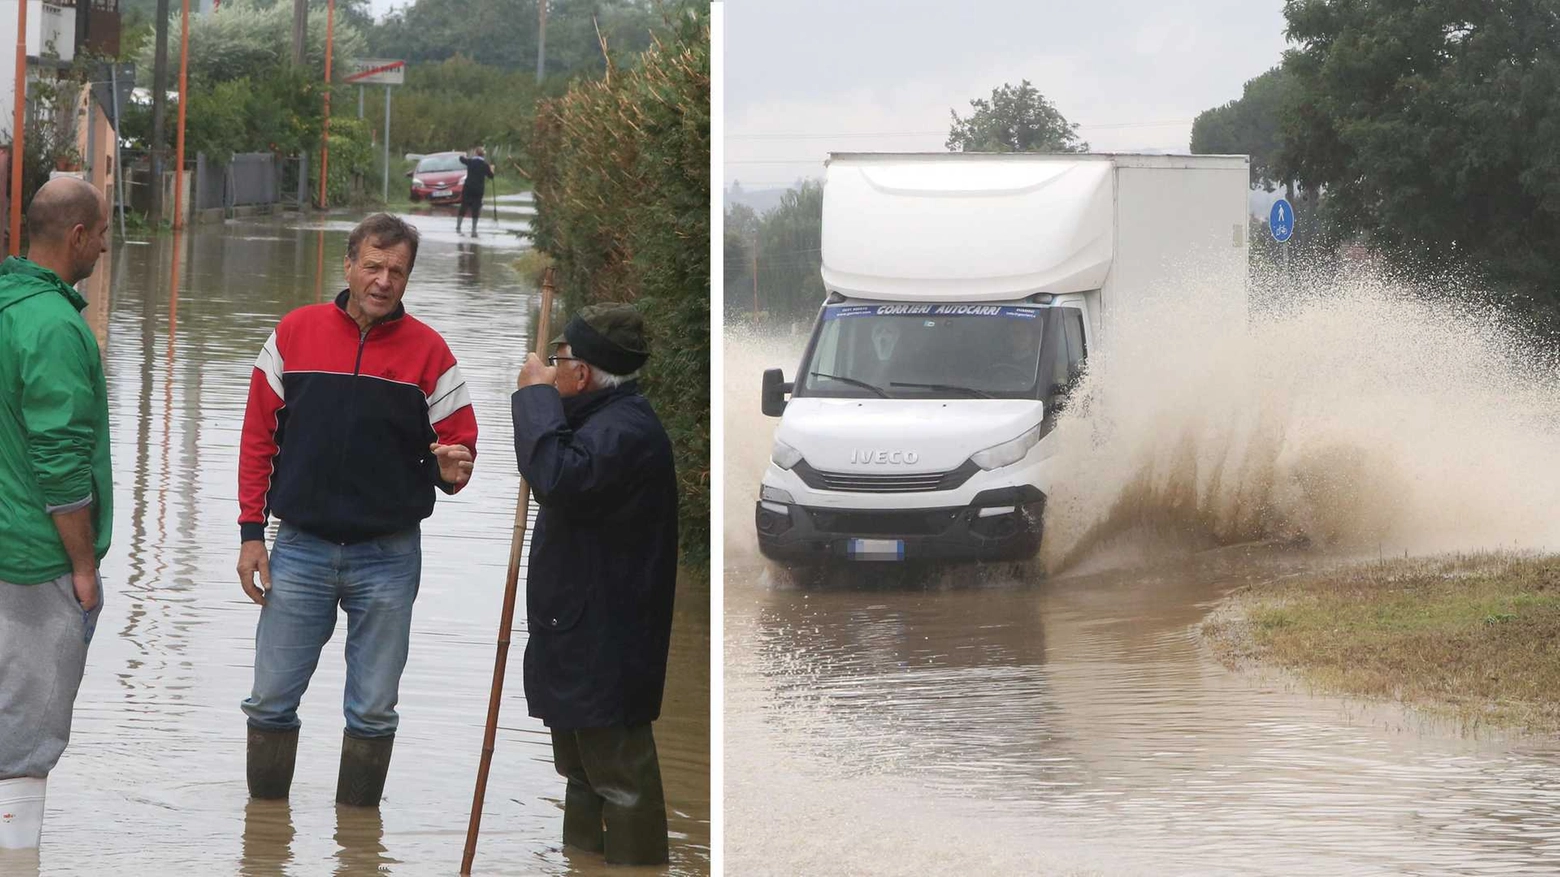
x=1065, y=717
x=153, y=780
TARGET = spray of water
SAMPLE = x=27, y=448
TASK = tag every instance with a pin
x=1347, y=414
x=749, y=434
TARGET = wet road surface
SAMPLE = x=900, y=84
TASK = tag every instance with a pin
x=978, y=724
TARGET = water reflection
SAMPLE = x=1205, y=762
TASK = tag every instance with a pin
x=360, y=841
x=268, y=838
x=469, y=266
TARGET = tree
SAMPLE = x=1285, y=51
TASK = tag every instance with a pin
x=1251, y=126
x=741, y=232
x=790, y=252
x=253, y=38
x=502, y=33
x=1432, y=126
x=1016, y=119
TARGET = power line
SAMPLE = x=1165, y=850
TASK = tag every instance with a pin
x=1094, y=126
x=832, y=136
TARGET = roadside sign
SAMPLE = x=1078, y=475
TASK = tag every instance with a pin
x=376, y=71
x=1281, y=221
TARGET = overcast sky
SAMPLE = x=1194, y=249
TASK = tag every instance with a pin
x=381, y=7
x=804, y=77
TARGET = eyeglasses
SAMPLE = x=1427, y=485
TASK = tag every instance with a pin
x=555, y=359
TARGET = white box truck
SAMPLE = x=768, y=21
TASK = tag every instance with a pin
x=965, y=294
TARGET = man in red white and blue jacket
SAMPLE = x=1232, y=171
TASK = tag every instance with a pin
x=357, y=412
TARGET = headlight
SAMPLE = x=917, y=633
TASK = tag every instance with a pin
x=462, y=179
x=418, y=183
x=784, y=455
x=774, y=494
x=1009, y=452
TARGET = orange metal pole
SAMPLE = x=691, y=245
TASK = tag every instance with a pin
x=330, y=36
x=18, y=128
x=178, y=161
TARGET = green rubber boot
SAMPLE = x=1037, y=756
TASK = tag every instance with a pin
x=364, y=763
x=271, y=757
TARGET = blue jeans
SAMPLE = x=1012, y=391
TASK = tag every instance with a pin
x=375, y=582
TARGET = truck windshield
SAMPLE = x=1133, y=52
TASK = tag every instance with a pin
x=943, y=351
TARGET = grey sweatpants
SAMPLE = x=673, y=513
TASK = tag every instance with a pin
x=44, y=634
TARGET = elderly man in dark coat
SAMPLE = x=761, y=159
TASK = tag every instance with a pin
x=601, y=578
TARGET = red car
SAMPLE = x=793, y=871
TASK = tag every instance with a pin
x=438, y=178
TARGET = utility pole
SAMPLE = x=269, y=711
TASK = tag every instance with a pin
x=300, y=29
x=541, y=40
x=184, y=73
x=18, y=131
x=159, y=109
x=755, y=277
x=330, y=28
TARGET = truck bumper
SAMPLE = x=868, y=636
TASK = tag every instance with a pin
x=998, y=525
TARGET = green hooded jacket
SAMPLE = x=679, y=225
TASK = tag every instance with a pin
x=53, y=422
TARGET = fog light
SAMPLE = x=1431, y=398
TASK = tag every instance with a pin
x=772, y=518
x=997, y=510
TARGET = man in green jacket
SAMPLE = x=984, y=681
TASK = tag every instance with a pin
x=56, y=502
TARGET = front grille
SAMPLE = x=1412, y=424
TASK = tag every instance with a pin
x=889, y=523
x=880, y=483
x=896, y=482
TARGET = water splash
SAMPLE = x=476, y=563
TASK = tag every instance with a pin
x=1349, y=414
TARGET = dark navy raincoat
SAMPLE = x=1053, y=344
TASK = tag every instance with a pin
x=603, y=562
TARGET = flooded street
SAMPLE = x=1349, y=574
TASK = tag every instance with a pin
x=153, y=781
x=1078, y=726
x=996, y=720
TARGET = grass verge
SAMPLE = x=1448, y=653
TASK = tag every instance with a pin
x=1475, y=638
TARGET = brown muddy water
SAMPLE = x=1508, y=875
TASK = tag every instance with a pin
x=153, y=780
x=1065, y=718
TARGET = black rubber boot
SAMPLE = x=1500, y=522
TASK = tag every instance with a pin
x=581, y=805
x=364, y=763
x=271, y=757
x=582, y=818
x=625, y=772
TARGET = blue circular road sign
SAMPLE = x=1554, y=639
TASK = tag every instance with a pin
x=1281, y=220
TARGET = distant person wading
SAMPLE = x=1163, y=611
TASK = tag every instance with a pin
x=478, y=171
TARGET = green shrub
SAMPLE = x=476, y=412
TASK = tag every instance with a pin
x=620, y=167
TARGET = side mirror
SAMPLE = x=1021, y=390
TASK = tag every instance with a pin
x=1057, y=397
x=408, y=173
x=774, y=393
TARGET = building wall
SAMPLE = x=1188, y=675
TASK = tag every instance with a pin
x=45, y=22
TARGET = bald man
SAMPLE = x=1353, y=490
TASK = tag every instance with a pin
x=56, y=501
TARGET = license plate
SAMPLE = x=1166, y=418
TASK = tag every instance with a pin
x=876, y=549
x=443, y=194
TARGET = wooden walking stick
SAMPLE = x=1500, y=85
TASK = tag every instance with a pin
x=506, y=620
x=494, y=181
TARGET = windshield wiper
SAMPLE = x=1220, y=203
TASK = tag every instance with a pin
x=853, y=382
x=951, y=388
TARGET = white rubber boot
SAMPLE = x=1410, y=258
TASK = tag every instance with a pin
x=21, y=812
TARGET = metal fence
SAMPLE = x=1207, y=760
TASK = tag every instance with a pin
x=254, y=179
x=248, y=179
